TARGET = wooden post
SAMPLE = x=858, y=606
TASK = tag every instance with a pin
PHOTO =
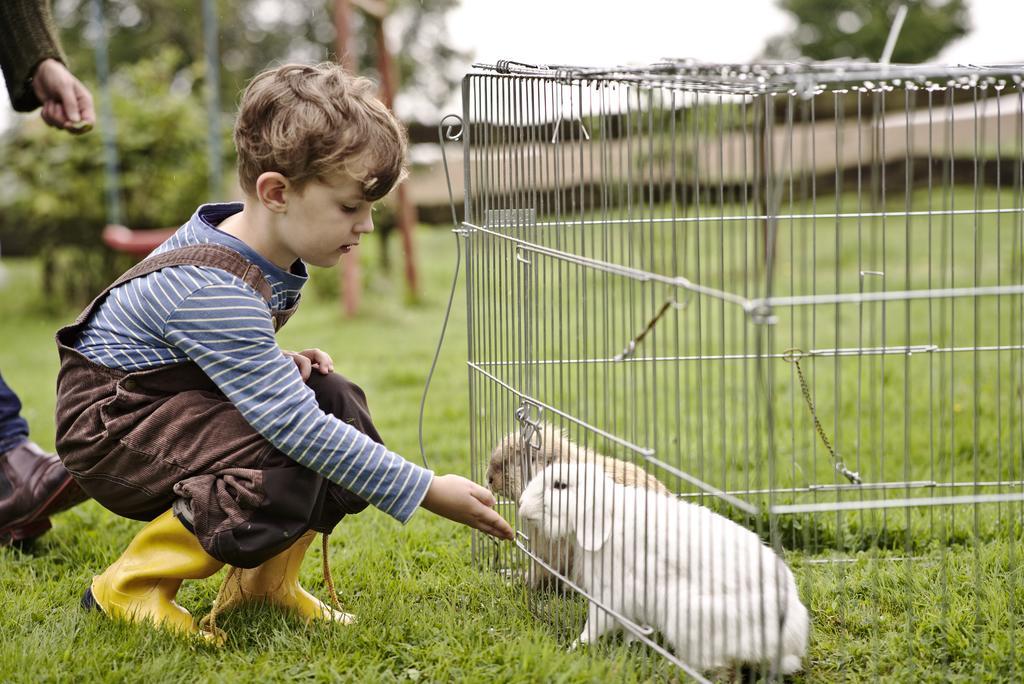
x=405, y=214
x=349, y=277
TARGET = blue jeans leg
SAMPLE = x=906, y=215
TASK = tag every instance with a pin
x=13, y=428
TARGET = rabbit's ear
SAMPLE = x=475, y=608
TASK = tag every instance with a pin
x=530, y=500
x=594, y=515
x=593, y=531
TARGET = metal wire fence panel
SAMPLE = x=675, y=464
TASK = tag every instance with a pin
x=745, y=362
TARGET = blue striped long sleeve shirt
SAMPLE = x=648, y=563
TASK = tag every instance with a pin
x=210, y=317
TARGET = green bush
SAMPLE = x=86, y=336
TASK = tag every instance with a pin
x=54, y=184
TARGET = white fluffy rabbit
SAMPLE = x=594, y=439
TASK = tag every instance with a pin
x=716, y=593
x=511, y=466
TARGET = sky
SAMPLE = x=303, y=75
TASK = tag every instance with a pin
x=605, y=33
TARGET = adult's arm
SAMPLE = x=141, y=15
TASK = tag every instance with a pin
x=28, y=36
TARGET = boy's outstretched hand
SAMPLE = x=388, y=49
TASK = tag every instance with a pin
x=464, y=501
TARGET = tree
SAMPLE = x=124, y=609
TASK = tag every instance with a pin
x=256, y=33
x=859, y=28
x=51, y=186
x=53, y=199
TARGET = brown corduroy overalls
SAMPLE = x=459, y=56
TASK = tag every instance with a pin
x=139, y=441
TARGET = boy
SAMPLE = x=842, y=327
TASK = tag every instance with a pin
x=175, y=404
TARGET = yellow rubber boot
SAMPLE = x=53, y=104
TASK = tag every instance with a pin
x=141, y=585
x=276, y=581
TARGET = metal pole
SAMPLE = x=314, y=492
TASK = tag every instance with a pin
x=107, y=122
x=214, y=160
x=894, y=33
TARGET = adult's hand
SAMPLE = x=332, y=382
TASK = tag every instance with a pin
x=67, y=103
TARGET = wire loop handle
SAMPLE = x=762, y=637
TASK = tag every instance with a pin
x=531, y=429
x=450, y=127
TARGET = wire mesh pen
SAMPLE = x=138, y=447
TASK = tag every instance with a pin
x=789, y=293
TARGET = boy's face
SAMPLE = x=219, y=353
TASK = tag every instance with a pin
x=325, y=220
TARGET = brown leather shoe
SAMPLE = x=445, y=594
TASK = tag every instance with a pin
x=33, y=486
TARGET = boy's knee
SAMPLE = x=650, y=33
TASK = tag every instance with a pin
x=342, y=398
x=336, y=391
x=333, y=383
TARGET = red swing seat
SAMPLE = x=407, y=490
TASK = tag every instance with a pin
x=138, y=243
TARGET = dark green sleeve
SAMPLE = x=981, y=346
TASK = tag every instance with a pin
x=27, y=37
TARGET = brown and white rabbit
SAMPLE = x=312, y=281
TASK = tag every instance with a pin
x=717, y=594
x=505, y=476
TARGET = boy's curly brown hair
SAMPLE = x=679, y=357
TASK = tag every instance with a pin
x=308, y=122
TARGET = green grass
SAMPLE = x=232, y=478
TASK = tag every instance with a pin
x=425, y=612
x=914, y=596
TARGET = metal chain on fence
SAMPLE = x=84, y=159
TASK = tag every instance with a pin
x=793, y=356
